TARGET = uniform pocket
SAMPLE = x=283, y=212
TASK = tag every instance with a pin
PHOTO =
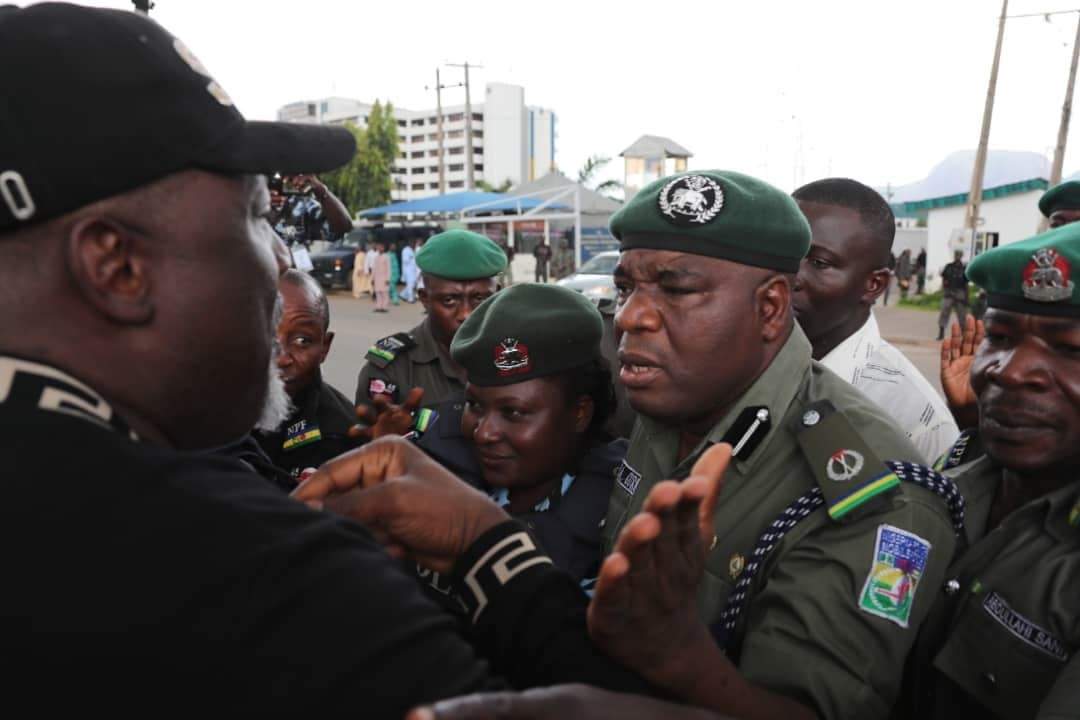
x=1005, y=660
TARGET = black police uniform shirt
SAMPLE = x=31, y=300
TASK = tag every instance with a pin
x=137, y=576
x=314, y=433
x=567, y=522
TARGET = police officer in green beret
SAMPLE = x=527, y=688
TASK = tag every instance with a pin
x=825, y=531
x=1061, y=203
x=1007, y=617
x=530, y=431
x=459, y=271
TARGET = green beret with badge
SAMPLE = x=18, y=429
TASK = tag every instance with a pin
x=461, y=255
x=1065, y=196
x=1033, y=276
x=527, y=331
x=716, y=213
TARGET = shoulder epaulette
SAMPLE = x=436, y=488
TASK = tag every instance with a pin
x=849, y=474
x=385, y=351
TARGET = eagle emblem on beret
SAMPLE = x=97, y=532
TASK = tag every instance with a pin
x=691, y=200
x=512, y=357
x=1046, y=277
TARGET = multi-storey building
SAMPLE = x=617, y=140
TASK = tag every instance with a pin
x=511, y=142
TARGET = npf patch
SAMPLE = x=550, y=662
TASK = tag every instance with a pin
x=899, y=562
x=627, y=478
x=1022, y=628
x=300, y=434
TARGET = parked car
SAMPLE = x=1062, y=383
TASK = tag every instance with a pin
x=595, y=279
x=333, y=265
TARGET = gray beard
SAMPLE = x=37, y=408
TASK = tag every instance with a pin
x=277, y=407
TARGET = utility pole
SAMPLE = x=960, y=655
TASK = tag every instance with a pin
x=439, y=131
x=1066, y=113
x=468, y=127
x=975, y=196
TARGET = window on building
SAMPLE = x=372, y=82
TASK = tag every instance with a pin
x=417, y=186
x=433, y=186
x=417, y=154
x=311, y=109
x=433, y=168
x=403, y=155
x=433, y=136
x=455, y=151
x=397, y=171
x=418, y=122
x=456, y=167
x=433, y=120
x=455, y=117
x=478, y=133
x=478, y=167
x=479, y=117
x=454, y=134
x=457, y=183
x=417, y=138
x=401, y=123
x=417, y=171
x=401, y=139
x=433, y=153
x=478, y=149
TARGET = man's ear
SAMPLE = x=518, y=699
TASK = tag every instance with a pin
x=110, y=268
x=328, y=340
x=876, y=282
x=774, y=306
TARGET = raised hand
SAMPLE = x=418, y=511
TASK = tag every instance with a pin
x=957, y=355
x=386, y=418
x=417, y=508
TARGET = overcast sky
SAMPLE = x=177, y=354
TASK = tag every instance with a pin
x=788, y=90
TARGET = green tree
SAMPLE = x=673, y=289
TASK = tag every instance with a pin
x=488, y=187
x=587, y=174
x=366, y=181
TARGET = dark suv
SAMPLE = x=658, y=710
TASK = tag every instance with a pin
x=334, y=265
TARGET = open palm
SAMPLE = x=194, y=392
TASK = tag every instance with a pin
x=957, y=356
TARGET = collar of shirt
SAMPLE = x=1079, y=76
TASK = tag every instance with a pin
x=774, y=389
x=428, y=350
x=854, y=350
x=37, y=386
x=501, y=496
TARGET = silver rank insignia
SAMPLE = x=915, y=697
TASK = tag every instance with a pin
x=691, y=200
x=1046, y=277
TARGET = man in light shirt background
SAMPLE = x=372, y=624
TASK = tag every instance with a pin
x=838, y=281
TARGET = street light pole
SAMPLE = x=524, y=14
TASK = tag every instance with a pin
x=975, y=196
x=468, y=128
x=1066, y=114
x=439, y=132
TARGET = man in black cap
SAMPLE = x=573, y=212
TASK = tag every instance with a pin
x=139, y=567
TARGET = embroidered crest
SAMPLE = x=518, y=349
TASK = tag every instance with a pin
x=736, y=565
x=627, y=478
x=1046, y=277
x=512, y=357
x=691, y=200
x=1023, y=628
x=300, y=434
x=844, y=465
x=377, y=386
x=899, y=561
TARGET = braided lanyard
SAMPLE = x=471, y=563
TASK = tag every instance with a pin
x=924, y=477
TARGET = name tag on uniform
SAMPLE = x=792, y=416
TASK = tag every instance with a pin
x=627, y=478
x=301, y=434
x=1023, y=628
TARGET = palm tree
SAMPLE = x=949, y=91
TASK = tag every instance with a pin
x=588, y=172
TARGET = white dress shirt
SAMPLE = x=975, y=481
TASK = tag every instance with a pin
x=888, y=378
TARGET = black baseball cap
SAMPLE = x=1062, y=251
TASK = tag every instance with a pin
x=98, y=102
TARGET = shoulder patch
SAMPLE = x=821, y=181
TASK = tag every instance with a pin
x=627, y=478
x=385, y=351
x=895, y=572
x=850, y=476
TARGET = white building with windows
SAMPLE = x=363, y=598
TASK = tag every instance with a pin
x=511, y=142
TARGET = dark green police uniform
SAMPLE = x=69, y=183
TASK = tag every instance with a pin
x=314, y=433
x=825, y=531
x=400, y=362
x=1006, y=622
x=1063, y=702
x=1065, y=196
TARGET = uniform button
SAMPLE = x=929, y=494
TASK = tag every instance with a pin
x=952, y=587
x=990, y=679
x=811, y=418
